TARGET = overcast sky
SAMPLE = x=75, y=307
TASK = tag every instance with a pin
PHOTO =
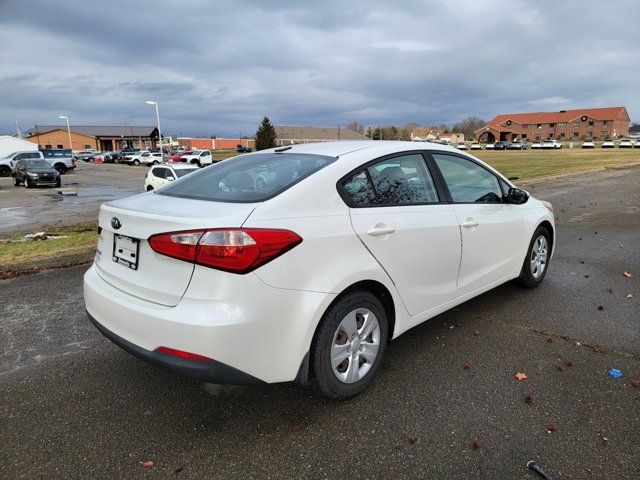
x=220, y=66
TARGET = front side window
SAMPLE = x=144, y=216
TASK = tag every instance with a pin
x=468, y=182
x=402, y=180
x=249, y=178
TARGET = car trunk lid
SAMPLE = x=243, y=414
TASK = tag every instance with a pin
x=145, y=273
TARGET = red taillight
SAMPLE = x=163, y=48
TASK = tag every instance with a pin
x=237, y=250
x=182, y=354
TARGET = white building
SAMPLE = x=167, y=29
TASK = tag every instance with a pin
x=9, y=144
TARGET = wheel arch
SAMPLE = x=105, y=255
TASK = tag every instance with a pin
x=547, y=224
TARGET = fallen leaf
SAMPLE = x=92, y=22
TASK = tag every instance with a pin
x=598, y=349
x=573, y=273
x=635, y=383
x=549, y=339
x=466, y=366
x=568, y=363
x=551, y=427
x=611, y=290
x=412, y=440
x=476, y=332
x=559, y=367
x=630, y=295
x=475, y=444
x=601, y=307
x=621, y=245
x=177, y=469
x=520, y=376
x=627, y=274
x=297, y=427
x=528, y=399
x=581, y=261
x=147, y=463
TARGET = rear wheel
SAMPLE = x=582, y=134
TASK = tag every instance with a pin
x=196, y=162
x=4, y=171
x=349, y=345
x=16, y=182
x=149, y=188
x=61, y=168
x=536, y=262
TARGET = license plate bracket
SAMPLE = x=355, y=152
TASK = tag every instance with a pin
x=125, y=251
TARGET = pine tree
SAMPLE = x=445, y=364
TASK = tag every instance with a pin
x=266, y=135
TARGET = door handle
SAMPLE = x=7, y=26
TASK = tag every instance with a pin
x=470, y=223
x=378, y=231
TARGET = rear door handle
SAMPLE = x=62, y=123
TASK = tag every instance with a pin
x=377, y=231
x=470, y=223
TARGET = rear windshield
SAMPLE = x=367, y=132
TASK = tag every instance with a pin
x=247, y=179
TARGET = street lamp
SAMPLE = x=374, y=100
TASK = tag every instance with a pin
x=149, y=102
x=64, y=117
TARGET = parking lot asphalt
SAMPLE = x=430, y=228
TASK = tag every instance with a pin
x=26, y=210
x=74, y=405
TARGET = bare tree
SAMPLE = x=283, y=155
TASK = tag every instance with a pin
x=356, y=126
x=469, y=125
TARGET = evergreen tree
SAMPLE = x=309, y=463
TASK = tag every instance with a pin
x=266, y=135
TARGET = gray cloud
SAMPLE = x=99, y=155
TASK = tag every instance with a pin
x=220, y=66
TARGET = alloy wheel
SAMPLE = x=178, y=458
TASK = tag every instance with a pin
x=539, y=254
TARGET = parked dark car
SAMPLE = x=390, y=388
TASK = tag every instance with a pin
x=518, y=145
x=243, y=149
x=502, y=146
x=34, y=173
x=111, y=157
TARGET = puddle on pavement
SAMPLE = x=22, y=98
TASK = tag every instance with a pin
x=86, y=195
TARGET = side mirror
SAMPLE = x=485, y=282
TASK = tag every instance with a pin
x=517, y=196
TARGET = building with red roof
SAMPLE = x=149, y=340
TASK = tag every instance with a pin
x=565, y=125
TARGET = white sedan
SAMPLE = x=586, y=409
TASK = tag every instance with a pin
x=343, y=247
x=160, y=175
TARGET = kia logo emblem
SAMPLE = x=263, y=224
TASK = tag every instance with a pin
x=116, y=223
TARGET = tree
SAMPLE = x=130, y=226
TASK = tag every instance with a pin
x=356, y=126
x=266, y=135
x=469, y=125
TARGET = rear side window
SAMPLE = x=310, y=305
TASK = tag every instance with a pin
x=248, y=179
x=402, y=180
x=160, y=172
x=468, y=182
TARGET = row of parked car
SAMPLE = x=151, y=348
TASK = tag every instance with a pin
x=33, y=168
x=547, y=145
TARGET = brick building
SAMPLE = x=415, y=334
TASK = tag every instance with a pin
x=101, y=138
x=565, y=125
x=288, y=135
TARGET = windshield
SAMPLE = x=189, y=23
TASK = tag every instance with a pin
x=247, y=179
x=181, y=172
x=36, y=164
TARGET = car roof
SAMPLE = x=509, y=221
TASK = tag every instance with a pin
x=341, y=148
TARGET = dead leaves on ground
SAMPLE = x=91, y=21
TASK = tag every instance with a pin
x=520, y=376
x=147, y=463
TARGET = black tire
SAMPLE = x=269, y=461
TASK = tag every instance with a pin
x=5, y=171
x=149, y=188
x=61, y=168
x=156, y=162
x=196, y=162
x=322, y=375
x=136, y=162
x=16, y=182
x=26, y=183
x=527, y=277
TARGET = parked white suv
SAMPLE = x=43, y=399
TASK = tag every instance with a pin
x=145, y=156
x=199, y=158
x=160, y=175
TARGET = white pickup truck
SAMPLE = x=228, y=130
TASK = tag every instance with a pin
x=199, y=158
x=548, y=144
x=60, y=159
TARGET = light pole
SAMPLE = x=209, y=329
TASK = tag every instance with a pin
x=68, y=131
x=150, y=102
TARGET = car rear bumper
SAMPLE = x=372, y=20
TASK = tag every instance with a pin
x=253, y=332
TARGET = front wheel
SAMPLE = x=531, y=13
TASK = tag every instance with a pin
x=149, y=188
x=349, y=345
x=136, y=162
x=536, y=263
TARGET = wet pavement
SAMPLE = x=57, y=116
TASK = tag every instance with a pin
x=73, y=405
x=26, y=210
